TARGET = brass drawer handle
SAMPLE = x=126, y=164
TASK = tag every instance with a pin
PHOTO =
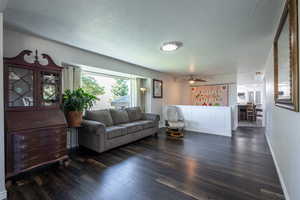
x=20, y=157
x=19, y=138
x=23, y=146
x=20, y=147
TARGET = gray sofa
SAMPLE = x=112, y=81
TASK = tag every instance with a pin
x=106, y=129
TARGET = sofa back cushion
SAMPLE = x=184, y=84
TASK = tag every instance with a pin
x=134, y=114
x=119, y=116
x=102, y=116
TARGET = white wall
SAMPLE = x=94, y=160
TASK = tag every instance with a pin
x=185, y=94
x=283, y=133
x=15, y=42
x=214, y=119
x=2, y=160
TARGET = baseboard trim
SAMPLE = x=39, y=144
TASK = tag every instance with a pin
x=3, y=195
x=286, y=194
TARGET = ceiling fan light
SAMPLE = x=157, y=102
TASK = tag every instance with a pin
x=191, y=82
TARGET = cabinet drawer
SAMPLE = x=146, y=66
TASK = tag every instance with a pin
x=33, y=148
x=24, y=165
x=51, y=143
x=31, y=141
x=38, y=152
x=37, y=159
x=36, y=142
x=25, y=155
x=38, y=135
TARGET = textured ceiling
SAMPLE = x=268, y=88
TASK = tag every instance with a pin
x=219, y=36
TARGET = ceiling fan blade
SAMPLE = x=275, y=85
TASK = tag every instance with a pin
x=200, y=80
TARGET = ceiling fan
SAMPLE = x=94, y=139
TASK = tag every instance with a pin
x=193, y=80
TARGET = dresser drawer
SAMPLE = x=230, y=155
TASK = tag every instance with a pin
x=30, y=162
x=33, y=153
x=51, y=144
x=31, y=159
x=29, y=149
x=38, y=135
x=28, y=142
x=26, y=164
x=26, y=155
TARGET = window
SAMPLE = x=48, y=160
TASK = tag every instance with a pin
x=258, y=97
x=112, y=91
x=251, y=97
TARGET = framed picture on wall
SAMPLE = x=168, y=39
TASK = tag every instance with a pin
x=210, y=95
x=286, y=64
x=157, y=88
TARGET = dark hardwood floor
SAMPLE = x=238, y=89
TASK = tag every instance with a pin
x=199, y=167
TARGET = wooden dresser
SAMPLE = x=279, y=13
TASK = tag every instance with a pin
x=36, y=129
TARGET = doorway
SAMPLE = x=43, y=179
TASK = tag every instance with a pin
x=251, y=105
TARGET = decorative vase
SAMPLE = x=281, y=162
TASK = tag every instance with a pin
x=74, y=118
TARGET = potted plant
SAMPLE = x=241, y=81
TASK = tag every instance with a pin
x=74, y=103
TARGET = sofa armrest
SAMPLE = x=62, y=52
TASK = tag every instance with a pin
x=92, y=135
x=152, y=117
x=93, y=127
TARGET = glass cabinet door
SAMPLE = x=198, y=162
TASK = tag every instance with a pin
x=20, y=87
x=50, y=83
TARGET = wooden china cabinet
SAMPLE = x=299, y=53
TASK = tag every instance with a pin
x=35, y=127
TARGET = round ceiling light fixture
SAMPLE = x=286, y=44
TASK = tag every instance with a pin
x=171, y=46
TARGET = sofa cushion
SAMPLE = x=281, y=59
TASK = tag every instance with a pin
x=133, y=127
x=134, y=113
x=115, y=131
x=147, y=123
x=102, y=116
x=119, y=116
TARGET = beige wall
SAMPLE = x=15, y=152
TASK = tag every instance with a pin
x=283, y=133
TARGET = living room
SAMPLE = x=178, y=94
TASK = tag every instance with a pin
x=164, y=97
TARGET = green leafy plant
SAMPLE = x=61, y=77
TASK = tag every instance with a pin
x=78, y=100
x=120, y=88
x=90, y=85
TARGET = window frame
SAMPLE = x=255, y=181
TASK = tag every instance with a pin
x=130, y=88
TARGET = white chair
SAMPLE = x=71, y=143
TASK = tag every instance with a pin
x=174, y=122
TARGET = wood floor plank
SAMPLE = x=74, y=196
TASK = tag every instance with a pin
x=198, y=167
